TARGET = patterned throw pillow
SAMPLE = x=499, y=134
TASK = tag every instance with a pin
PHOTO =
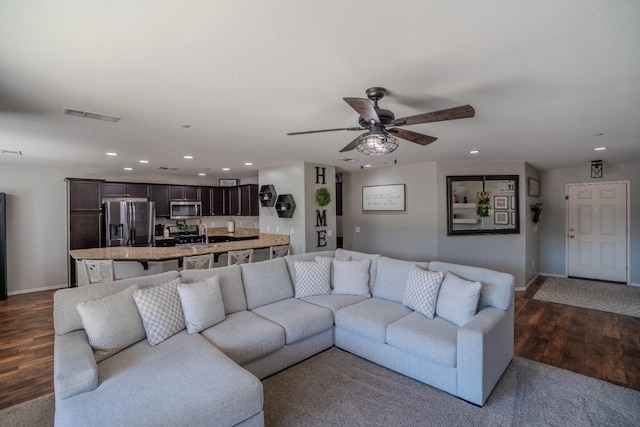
x=201, y=304
x=160, y=310
x=313, y=277
x=422, y=289
x=351, y=277
x=112, y=323
x=458, y=299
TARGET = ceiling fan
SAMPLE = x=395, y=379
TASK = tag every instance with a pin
x=383, y=127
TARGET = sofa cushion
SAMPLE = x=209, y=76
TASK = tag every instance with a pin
x=231, y=286
x=160, y=310
x=313, y=277
x=266, y=282
x=307, y=256
x=244, y=336
x=299, y=319
x=497, y=287
x=371, y=317
x=112, y=323
x=458, y=299
x=422, y=289
x=183, y=381
x=65, y=301
x=334, y=302
x=391, y=278
x=356, y=256
x=351, y=277
x=434, y=339
x=201, y=304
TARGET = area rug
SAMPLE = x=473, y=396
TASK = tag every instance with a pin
x=611, y=297
x=336, y=388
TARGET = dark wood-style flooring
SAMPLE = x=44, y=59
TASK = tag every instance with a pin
x=594, y=343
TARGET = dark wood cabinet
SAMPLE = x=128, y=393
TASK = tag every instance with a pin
x=212, y=199
x=124, y=189
x=160, y=195
x=242, y=200
x=84, y=195
x=85, y=229
x=184, y=193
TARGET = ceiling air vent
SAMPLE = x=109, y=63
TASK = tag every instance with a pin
x=89, y=115
x=11, y=152
x=346, y=159
x=164, y=168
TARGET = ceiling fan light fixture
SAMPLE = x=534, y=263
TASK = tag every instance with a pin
x=376, y=143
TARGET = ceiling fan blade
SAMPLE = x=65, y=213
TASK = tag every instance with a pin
x=364, y=108
x=418, y=138
x=323, y=130
x=351, y=145
x=461, y=112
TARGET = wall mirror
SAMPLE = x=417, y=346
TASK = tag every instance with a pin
x=483, y=204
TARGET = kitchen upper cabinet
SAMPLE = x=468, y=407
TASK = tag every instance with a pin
x=242, y=200
x=184, y=193
x=212, y=199
x=84, y=195
x=124, y=189
x=160, y=195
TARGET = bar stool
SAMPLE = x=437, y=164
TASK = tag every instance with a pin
x=279, y=251
x=197, y=262
x=99, y=270
x=240, y=257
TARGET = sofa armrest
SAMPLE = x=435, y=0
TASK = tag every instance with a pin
x=74, y=368
x=484, y=350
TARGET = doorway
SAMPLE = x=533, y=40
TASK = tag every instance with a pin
x=598, y=231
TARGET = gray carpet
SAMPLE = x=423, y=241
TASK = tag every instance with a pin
x=336, y=388
x=610, y=297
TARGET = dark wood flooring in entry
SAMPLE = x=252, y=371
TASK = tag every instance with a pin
x=594, y=343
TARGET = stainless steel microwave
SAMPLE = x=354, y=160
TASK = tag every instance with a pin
x=185, y=210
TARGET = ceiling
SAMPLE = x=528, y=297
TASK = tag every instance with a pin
x=549, y=80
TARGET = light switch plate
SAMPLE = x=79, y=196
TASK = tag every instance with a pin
x=329, y=233
x=357, y=229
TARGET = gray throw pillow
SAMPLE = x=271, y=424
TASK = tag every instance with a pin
x=458, y=299
x=112, y=323
x=202, y=304
x=313, y=277
x=422, y=289
x=160, y=310
x=351, y=277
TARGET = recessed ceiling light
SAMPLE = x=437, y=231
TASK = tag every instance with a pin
x=128, y=169
x=474, y=151
x=111, y=153
x=226, y=169
x=144, y=161
x=188, y=157
x=202, y=174
x=248, y=164
x=599, y=148
x=367, y=166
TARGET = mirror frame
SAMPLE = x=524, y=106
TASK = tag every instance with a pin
x=484, y=179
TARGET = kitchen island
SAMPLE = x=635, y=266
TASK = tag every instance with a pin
x=138, y=261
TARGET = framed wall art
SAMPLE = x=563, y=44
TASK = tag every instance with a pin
x=383, y=197
x=533, y=186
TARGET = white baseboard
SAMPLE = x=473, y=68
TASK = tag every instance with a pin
x=28, y=291
x=635, y=284
x=554, y=275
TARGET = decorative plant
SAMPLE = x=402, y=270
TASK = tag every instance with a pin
x=323, y=197
x=484, y=203
x=536, y=210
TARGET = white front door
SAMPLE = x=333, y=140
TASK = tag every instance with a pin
x=597, y=230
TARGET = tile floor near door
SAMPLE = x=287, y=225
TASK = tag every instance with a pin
x=594, y=343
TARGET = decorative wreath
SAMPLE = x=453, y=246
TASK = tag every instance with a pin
x=323, y=197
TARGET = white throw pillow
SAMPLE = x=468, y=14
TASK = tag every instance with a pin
x=313, y=277
x=160, y=310
x=344, y=258
x=351, y=277
x=458, y=299
x=202, y=304
x=421, y=293
x=112, y=323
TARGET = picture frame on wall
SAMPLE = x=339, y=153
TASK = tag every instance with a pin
x=501, y=217
x=501, y=202
x=533, y=187
x=383, y=197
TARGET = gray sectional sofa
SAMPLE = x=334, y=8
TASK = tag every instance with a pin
x=271, y=317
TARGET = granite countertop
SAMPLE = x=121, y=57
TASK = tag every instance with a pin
x=127, y=253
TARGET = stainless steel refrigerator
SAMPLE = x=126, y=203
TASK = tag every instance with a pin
x=129, y=223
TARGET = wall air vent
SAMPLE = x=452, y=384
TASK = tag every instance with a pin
x=88, y=115
x=164, y=168
x=11, y=152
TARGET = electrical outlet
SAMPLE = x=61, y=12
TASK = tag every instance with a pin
x=268, y=228
x=277, y=228
x=357, y=229
x=293, y=231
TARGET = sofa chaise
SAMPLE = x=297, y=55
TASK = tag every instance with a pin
x=189, y=348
